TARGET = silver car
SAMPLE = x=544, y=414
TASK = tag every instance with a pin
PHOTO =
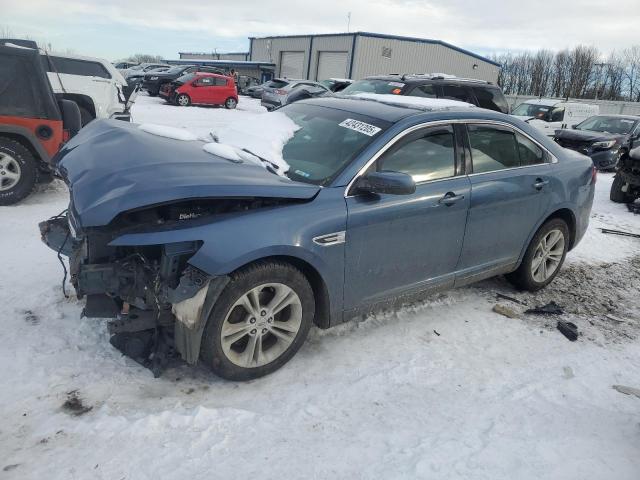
x=281, y=91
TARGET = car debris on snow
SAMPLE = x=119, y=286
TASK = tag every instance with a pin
x=551, y=308
x=506, y=311
x=73, y=405
x=627, y=390
x=568, y=329
x=620, y=232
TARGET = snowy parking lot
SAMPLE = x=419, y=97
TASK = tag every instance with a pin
x=444, y=389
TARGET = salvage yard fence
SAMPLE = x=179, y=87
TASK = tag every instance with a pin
x=606, y=106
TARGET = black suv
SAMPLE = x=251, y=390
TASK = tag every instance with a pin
x=478, y=92
x=153, y=81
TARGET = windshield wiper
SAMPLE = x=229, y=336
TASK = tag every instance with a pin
x=270, y=166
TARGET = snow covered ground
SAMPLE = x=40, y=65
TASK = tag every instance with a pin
x=445, y=389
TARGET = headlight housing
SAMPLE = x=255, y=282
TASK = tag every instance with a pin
x=606, y=145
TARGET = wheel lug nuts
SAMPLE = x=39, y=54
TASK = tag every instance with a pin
x=253, y=320
x=270, y=320
x=254, y=331
x=263, y=313
x=264, y=330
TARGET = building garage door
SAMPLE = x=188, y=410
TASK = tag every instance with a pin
x=332, y=65
x=292, y=64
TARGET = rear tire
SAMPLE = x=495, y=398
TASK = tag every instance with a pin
x=183, y=100
x=544, y=257
x=246, y=336
x=230, y=103
x=18, y=171
x=616, y=194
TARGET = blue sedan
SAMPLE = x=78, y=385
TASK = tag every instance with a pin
x=229, y=264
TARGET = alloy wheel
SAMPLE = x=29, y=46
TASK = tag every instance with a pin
x=183, y=100
x=231, y=103
x=261, y=325
x=10, y=172
x=548, y=256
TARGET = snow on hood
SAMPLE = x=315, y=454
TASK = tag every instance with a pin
x=418, y=102
x=168, y=132
x=263, y=134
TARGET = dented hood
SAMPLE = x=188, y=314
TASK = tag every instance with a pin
x=112, y=167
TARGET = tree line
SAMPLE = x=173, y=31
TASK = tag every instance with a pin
x=580, y=72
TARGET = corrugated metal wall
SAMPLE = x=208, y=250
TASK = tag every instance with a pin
x=416, y=57
x=270, y=49
x=406, y=56
x=215, y=56
x=338, y=43
x=606, y=106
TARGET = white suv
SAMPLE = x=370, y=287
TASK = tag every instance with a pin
x=94, y=84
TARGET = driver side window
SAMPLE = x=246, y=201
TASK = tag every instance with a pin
x=425, y=155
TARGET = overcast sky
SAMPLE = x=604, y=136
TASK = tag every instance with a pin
x=117, y=28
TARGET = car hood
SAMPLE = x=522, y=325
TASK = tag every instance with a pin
x=586, y=135
x=113, y=166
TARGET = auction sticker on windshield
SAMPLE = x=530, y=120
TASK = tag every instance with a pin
x=359, y=126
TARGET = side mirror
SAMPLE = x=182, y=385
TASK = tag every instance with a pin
x=573, y=127
x=392, y=183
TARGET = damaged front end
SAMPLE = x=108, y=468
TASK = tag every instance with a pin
x=157, y=302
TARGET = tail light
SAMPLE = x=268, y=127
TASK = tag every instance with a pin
x=280, y=91
x=66, y=136
x=594, y=175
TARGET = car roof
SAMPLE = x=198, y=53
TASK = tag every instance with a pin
x=617, y=115
x=210, y=74
x=388, y=112
x=419, y=78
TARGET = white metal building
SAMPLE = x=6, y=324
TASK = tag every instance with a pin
x=361, y=54
x=235, y=56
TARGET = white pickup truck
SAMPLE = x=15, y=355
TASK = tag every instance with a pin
x=549, y=115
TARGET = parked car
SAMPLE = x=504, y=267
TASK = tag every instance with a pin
x=231, y=263
x=337, y=84
x=125, y=65
x=435, y=85
x=202, y=89
x=246, y=82
x=136, y=77
x=281, y=91
x=155, y=79
x=604, y=138
x=33, y=122
x=550, y=115
x=626, y=183
x=255, y=91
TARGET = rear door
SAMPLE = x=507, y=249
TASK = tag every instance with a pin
x=404, y=243
x=509, y=195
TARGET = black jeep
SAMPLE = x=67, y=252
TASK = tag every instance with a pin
x=477, y=92
x=626, y=183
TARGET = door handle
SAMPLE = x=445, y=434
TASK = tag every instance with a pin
x=449, y=199
x=539, y=183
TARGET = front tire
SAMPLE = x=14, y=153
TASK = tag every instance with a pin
x=616, y=194
x=18, y=171
x=183, y=100
x=544, y=257
x=260, y=321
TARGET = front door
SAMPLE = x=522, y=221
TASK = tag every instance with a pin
x=509, y=196
x=402, y=243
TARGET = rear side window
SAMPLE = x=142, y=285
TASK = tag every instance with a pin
x=456, y=92
x=557, y=114
x=72, y=66
x=491, y=99
x=427, y=91
x=205, y=81
x=530, y=153
x=385, y=87
x=425, y=155
x=492, y=148
x=220, y=82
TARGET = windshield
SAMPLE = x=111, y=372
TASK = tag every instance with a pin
x=276, y=84
x=326, y=142
x=136, y=67
x=374, y=86
x=607, y=124
x=534, y=110
x=177, y=69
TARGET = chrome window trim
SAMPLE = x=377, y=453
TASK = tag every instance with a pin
x=436, y=123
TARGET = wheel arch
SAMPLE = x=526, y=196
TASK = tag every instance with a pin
x=26, y=139
x=84, y=101
x=322, y=317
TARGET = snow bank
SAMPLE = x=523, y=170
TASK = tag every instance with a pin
x=221, y=150
x=419, y=102
x=168, y=132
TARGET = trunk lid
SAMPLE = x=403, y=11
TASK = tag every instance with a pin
x=113, y=166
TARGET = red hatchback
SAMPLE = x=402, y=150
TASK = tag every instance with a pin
x=202, y=89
